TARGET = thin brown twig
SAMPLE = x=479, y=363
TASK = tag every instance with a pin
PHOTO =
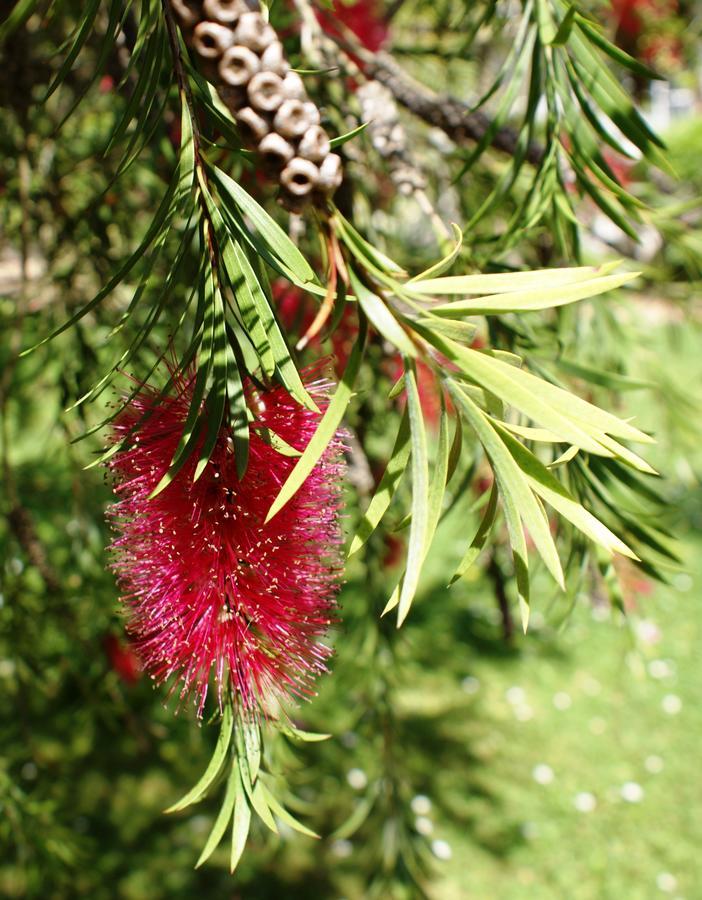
x=450, y=115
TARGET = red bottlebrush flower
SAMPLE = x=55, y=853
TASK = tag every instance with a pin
x=364, y=18
x=122, y=658
x=427, y=389
x=295, y=308
x=209, y=586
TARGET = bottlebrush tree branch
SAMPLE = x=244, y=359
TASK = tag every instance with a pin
x=442, y=111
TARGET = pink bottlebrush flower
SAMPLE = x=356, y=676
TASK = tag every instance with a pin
x=209, y=587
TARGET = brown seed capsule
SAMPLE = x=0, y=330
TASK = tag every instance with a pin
x=238, y=65
x=314, y=144
x=312, y=113
x=293, y=88
x=273, y=59
x=292, y=119
x=265, y=91
x=233, y=97
x=253, y=32
x=225, y=11
x=330, y=173
x=252, y=126
x=275, y=151
x=210, y=40
x=299, y=177
x=188, y=12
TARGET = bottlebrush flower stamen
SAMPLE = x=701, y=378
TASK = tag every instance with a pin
x=208, y=586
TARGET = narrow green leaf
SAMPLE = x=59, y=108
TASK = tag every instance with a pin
x=217, y=396
x=196, y=416
x=552, y=491
x=620, y=56
x=240, y=826
x=18, y=15
x=284, y=816
x=611, y=380
x=481, y=535
x=87, y=20
x=260, y=804
x=420, y=496
x=365, y=251
x=327, y=427
x=439, y=478
x=457, y=330
x=565, y=27
x=269, y=230
x=387, y=487
x=514, y=488
x=306, y=736
x=214, y=766
x=238, y=413
x=573, y=420
x=343, y=138
x=380, y=317
x=504, y=282
x=537, y=299
x=223, y=817
x=446, y=262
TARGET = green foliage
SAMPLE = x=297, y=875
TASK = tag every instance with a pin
x=127, y=185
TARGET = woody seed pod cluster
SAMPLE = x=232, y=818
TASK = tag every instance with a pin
x=241, y=54
x=388, y=136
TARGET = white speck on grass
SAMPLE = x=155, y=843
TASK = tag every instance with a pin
x=660, y=668
x=647, y=631
x=423, y=825
x=666, y=882
x=470, y=684
x=515, y=695
x=342, y=848
x=597, y=725
x=523, y=712
x=601, y=612
x=562, y=701
x=585, y=802
x=682, y=582
x=357, y=778
x=529, y=830
x=542, y=774
x=441, y=849
x=672, y=704
x=591, y=686
x=653, y=764
x=631, y=792
x=421, y=805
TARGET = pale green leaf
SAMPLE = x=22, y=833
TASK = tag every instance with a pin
x=420, y=496
x=504, y=282
x=386, y=488
x=223, y=817
x=326, y=429
x=531, y=300
x=380, y=317
x=214, y=766
x=240, y=826
x=514, y=488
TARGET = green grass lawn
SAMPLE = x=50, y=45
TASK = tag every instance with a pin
x=585, y=755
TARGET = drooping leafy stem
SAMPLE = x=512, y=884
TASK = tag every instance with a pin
x=239, y=759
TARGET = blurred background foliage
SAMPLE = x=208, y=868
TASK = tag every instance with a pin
x=466, y=760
